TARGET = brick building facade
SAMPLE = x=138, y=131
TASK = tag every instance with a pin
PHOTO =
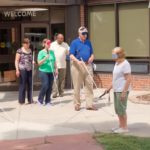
x=103, y=76
x=111, y=23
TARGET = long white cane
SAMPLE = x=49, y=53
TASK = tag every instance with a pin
x=92, y=78
x=94, y=82
x=89, y=73
x=55, y=80
x=33, y=74
x=71, y=75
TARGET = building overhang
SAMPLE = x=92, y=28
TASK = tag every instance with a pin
x=39, y=2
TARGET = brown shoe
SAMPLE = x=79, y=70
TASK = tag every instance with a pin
x=54, y=96
x=92, y=108
x=61, y=95
x=77, y=107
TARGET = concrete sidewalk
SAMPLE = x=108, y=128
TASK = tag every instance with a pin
x=32, y=121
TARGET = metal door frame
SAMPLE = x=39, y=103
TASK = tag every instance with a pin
x=34, y=25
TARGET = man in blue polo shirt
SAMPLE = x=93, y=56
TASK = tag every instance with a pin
x=81, y=54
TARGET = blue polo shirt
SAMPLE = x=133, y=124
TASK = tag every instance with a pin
x=81, y=49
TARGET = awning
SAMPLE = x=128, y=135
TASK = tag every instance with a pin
x=38, y=2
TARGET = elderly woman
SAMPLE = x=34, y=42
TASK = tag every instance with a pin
x=47, y=71
x=23, y=64
x=121, y=85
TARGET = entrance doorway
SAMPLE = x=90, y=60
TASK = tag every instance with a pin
x=36, y=33
x=8, y=46
x=57, y=28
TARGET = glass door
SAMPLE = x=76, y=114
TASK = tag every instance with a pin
x=36, y=33
x=8, y=47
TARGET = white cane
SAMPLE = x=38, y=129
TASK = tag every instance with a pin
x=89, y=73
x=55, y=80
x=94, y=83
x=71, y=76
x=33, y=74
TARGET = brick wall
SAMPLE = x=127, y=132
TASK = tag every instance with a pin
x=82, y=15
x=139, y=82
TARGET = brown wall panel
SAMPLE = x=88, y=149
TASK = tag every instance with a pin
x=94, y=2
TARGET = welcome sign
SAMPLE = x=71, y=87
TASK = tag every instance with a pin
x=17, y=13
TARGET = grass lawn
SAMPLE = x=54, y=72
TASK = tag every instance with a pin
x=122, y=142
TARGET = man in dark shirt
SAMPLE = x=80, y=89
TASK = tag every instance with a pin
x=81, y=54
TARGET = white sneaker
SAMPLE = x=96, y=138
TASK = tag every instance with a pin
x=115, y=128
x=48, y=104
x=121, y=130
x=39, y=103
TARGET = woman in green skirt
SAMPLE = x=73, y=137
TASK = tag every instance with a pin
x=121, y=85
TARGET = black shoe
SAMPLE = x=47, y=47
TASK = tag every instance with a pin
x=21, y=103
x=31, y=102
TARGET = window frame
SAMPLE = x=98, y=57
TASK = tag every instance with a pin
x=116, y=4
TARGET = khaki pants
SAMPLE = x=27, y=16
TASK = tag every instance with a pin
x=60, y=82
x=80, y=76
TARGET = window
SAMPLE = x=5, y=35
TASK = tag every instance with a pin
x=102, y=30
x=134, y=29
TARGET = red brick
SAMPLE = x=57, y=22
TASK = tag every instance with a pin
x=139, y=82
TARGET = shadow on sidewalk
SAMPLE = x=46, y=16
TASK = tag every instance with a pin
x=61, y=102
x=10, y=96
x=141, y=129
x=135, y=129
x=6, y=109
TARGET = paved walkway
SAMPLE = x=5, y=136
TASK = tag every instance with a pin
x=33, y=121
x=68, y=142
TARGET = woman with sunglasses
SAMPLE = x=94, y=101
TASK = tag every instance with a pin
x=47, y=70
x=23, y=64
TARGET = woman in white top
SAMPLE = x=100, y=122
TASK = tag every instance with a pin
x=121, y=85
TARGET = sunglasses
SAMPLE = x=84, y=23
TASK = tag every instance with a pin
x=84, y=33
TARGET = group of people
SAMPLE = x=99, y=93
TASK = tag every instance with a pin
x=52, y=70
x=51, y=61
